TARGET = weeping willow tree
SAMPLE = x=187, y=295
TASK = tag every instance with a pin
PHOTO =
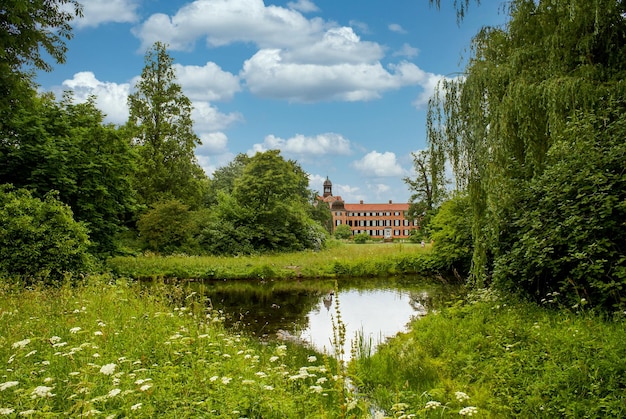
x=524, y=83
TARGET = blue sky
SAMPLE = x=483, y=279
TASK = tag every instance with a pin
x=339, y=86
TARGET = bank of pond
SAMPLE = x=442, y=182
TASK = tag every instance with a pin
x=115, y=347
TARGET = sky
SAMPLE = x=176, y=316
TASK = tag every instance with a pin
x=339, y=86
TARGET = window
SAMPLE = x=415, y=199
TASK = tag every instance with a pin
x=338, y=223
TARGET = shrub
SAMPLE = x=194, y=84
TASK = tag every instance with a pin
x=361, y=238
x=168, y=227
x=343, y=232
x=39, y=239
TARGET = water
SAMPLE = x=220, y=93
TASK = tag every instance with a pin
x=305, y=312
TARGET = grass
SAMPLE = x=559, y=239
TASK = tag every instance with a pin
x=344, y=260
x=504, y=359
x=115, y=349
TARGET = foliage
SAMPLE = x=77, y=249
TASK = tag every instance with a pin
x=361, y=238
x=124, y=349
x=27, y=28
x=343, y=231
x=522, y=85
x=167, y=227
x=224, y=177
x=452, y=234
x=39, y=239
x=66, y=147
x=320, y=212
x=507, y=359
x=428, y=188
x=572, y=238
x=161, y=129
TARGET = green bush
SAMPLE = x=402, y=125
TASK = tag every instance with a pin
x=361, y=238
x=451, y=230
x=39, y=239
x=343, y=232
x=168, y=227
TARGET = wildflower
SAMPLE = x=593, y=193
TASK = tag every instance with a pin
x=268, y=388
x=114, y=392
x=460, y=396
x=321, y=380
x=74, y=330
x=247, y=382
x=6, y=411
x=98, y=333
x=27, y=412
x=54, y=339
x=431, y=405
x=8, y=384
x=215, y=377
x=48, y=380
x=21, y=343
x=145, y=387
x=41, y=391
x=136, y=406
x=96, y=355
x=102, y=324
x=312, y=358
x=59, y=344
x=226, y=380
x=274, y=359
x=74, y=373
x=468, y=411
x=143, y=380
x=108, y=369
x=260, y=374
x=281, y=350
x=316, y=389
x=30, y=353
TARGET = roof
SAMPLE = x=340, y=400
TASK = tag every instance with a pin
x=376, y=207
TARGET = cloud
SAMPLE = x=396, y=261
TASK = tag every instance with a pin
x=210, y=163
x=208, y=118
x=304, y=6
x=375, y=164
x=394, y=27
x=307, y=147
x=268, y=75
x=97, y=12
x=223, y=22
x=428, y=84
x=213, y=143
x=406, y=51
x=111, y=98
x=208, y=82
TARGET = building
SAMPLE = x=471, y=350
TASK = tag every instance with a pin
x=380, y=221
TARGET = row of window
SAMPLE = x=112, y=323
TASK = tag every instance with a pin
x=373, y=214
x=377, y=223
x=381, y=232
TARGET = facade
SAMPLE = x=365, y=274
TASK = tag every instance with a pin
x=380, y=221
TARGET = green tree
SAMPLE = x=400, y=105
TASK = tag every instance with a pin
x=39, y=239
x=523, y=84
x=67, y=148
x=343, y=231
x=223, y=179
x=428, y=186
x=162, y=131
x=27, y=27
x=167, y=227
x=451, y=231
x=320, y=212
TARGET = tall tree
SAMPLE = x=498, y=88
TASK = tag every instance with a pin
x=162, y=131
x=27, y=27
x=428, y=186
x=524, y=84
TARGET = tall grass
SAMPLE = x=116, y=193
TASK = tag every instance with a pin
x=114, y=349
x=344, y=260
x=503, y=359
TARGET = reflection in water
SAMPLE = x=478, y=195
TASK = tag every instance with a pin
x=309, y=317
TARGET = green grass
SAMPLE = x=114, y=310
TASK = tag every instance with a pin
x=114, y=349
x=511, y=359
x=342, y=260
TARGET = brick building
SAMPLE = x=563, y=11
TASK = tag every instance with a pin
x=378, y=220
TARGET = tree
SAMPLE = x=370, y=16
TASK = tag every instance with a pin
x=523, y=85
x=224, y=178
x=162, y=131
x=320, y=212
x=67, y=148
x=39, y=239
x=167, y=227
x=428, y=186
x=343, y=232
x=25, y=28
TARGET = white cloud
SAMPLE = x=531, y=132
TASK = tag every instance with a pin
x=267, y=75
x=406, y=51
x=97, y=12
x=303, y=146
x=211, y=163
x=208, y=118
x=213, y=143
x=304, y=6
x=111, y=98
x=375, y=164
x=428, y=84
x=223, y=22
x=394, y=27
x=208, y=82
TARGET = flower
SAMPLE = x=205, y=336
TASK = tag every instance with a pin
x=268, y=388
x=431, y=405
x=74, y=330
x=8, y=384
x=55, y=339
x=114, y=392
x=468, y=411
x=460, y=396
x=274, y=359
x=108, y=369
x=21, y=343
x=226, y=380
x=6, y=411
x=311, y=358
x=215, y=377
x=41, y=391
x=98, y=333
x=316, y=389
x=136, y=406
x=321, y=380
x=145, y=387
x=27, y=412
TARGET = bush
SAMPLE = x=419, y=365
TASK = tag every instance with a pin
x=451, y=230
x=39, y=239
x=343, y=232
x=168, y=227
x=361, y=238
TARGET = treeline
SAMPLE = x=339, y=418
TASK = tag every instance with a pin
x=534, y=132
x=75, y=190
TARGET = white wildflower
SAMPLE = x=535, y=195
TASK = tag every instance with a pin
x=6, y=411
x=41, y=391
x=27, y=412
x=30, y=353
x=460, y=396
x=145, y=387
x=247, y=382
x=214, y=378
x=274, y=359
x=143, y=380
x=316, y=389
x=468, y=411
x=108, y=369
x=114, y=393
x=55, y=339
x=311, y=358
x=75, y=330
x=431, y=405
x=98, y=333
x=136, y=406
x=321, y=380
x=268, y=388
x=21, y=343
x=8, y=384
x=226, y=380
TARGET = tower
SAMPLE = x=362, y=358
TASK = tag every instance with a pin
x=328, y=188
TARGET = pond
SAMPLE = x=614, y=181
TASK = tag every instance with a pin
x=306, y=311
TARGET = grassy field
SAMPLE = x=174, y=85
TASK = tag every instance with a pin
x=343, y=260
